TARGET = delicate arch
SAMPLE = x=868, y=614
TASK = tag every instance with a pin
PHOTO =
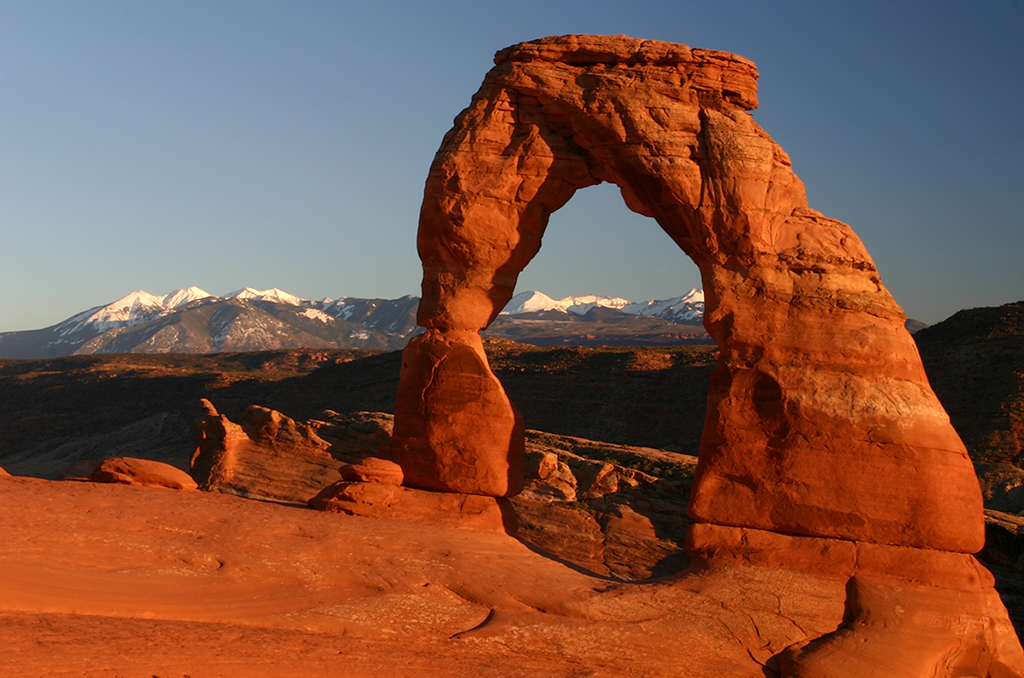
x=819, y=391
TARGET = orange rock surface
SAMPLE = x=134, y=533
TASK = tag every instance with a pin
x=452, y=402
x=104, y=579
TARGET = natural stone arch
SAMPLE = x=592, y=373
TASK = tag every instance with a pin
x=819, y=391
x=824, y=451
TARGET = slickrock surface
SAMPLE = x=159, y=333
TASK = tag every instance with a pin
x=128, y=471
x=821, y=423
x=124, y=580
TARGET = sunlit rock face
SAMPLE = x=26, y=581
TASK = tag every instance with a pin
x=821, y=421
x=824, y=450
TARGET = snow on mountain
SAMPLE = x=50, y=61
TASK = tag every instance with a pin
x=386, y=315
x=317, y=314
x=529, y=302
x=686, y=308
x=533, y=302
x=133, y=309
x=273, y=295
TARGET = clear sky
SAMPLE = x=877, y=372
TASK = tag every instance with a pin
x=163, y=144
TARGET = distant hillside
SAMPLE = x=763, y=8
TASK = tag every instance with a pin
x=975, y=362
x=642, y=396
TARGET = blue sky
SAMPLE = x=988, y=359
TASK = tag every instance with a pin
x=158, y=145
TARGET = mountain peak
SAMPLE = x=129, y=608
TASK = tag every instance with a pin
x=688, y=308
x=273, y=295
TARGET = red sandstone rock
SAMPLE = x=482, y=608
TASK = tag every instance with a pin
x=378, y=500
x=268, y=456
x=899, y=630
x=458, y=432
x=3, y=472
x=129, y=471
x=355, y=435
x=819, y=391
x=372, y=470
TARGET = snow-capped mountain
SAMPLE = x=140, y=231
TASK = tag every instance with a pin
x=133, y=309
x=274, y=295
x=686, y=309
x=536, y=302
x=191, y=320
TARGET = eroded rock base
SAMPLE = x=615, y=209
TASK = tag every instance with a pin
x=907, y=613
x=381, y=500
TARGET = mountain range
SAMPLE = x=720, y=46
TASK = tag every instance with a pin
x=192, y=320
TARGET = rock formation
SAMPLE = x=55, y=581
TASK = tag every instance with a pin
x=128, y=471
x=824, y=448
x=267, y=456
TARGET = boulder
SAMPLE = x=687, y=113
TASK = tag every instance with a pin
x=129, y=471
x=372, y=470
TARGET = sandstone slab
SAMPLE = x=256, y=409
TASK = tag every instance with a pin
x=129, y=471
x=379, y=500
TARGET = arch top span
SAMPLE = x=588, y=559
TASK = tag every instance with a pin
x=818, y=392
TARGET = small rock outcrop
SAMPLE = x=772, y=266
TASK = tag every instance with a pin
x=372, y=470
x=146, y=472
x=266, y=456
x=614, y=510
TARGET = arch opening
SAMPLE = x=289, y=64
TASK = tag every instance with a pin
x=596, y=245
